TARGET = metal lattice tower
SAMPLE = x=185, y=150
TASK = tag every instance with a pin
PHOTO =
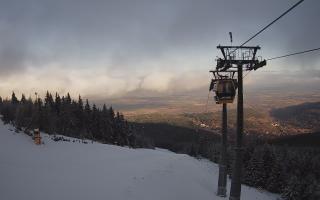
x=236, y=59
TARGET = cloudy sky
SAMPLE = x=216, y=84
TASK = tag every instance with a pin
x=111, y=48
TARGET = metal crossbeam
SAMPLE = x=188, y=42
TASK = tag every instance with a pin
x=247, y=59
x=238, y=47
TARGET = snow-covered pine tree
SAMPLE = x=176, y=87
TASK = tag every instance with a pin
x=275, y=181
x=255, y=174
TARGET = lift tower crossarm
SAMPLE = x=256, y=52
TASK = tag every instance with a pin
x=215, y=71
x=238, y=47
x=230, y=60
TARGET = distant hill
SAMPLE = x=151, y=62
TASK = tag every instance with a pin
x=306, y=115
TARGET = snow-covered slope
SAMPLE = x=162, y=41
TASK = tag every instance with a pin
x=77, y=171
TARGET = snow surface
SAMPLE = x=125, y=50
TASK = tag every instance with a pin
x=77, y=171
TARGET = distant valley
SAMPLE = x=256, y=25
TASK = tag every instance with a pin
x=268, y=112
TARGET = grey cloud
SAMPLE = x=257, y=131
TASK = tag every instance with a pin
x=137, y=37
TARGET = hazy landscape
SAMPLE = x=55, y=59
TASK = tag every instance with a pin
x=192, y=110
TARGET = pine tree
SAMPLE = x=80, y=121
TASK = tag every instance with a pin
x=292, y=189
x=48, y=101
x=275, y=181
x=268, y=162
x=80, y=103
x=87, y=119
x=23, y=99
x=57, y=104
x=300, y=188
x=68, y=99
x=95, y=126
x=105, y=125
x=246, y=160
x=14, y=99
x=79, y=114
x=254, y=173
x=111, y=113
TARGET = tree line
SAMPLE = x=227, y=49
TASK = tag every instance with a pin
x=66, y=116
x=292, y=171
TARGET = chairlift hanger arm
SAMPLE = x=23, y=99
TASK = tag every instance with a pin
x=229, y=73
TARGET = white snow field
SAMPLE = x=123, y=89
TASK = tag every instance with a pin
x=77, y=171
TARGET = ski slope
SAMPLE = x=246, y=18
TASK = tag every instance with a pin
x=77, y=171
